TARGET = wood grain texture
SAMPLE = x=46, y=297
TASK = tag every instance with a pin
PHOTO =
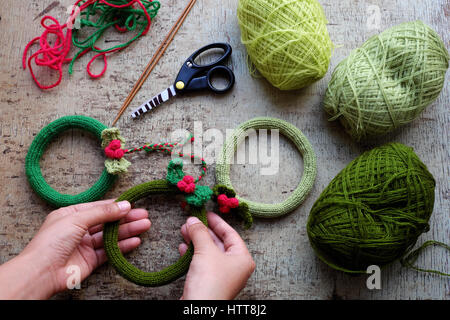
x=286, y=265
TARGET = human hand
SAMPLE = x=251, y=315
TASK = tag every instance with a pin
x=70, y=236
x=221, y=264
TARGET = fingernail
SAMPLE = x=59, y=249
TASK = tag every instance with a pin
x=192, y=220
x=124, y=206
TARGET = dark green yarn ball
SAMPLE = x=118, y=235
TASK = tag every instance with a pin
x=373, y=211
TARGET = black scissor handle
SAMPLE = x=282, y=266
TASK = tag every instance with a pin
x=191, y=75
x=219, y=45
x=222, y=72
x=205, y=82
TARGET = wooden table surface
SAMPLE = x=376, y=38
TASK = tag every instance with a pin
x=287, y=268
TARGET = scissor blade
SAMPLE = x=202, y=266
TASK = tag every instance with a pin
x=154, y=102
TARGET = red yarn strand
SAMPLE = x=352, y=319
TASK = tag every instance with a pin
x=54, y=56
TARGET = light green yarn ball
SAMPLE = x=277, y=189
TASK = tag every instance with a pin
x=388, y=81
x=286, y=40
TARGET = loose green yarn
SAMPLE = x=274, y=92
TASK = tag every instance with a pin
x=373, y=211
x=388, y=81
x=99, y=17
x=286, y=40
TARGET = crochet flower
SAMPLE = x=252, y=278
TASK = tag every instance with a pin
x=226, y=204
x=113, y=150
x=187, y=184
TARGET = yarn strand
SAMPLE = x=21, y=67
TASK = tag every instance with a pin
x=412, y=256
x=120, y=14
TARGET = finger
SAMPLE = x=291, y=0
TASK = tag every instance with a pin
x=125, y=246
x=182, y=248
x=82, y=207
x=216, y=239
x=199, y=235
x=232, y=241
x=185, y=233
x=126, y=230
x=101, y=214
x=133, y=215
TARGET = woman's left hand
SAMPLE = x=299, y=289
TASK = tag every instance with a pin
x=69, y=242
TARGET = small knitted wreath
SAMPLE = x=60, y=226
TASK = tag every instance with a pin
x=176, y=183
x=291, y=132
x=37, y=148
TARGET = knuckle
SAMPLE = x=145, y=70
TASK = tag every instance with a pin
x=110, y=209
x=197, y=227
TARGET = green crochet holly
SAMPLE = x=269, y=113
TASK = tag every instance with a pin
x=195, y=195
x=226, y=198
x=114, y=165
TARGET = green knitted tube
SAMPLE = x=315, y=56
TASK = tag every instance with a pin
x=291, y=132
x=126, y=269
x=37, y=148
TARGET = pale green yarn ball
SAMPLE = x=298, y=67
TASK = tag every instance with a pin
x=287, y=40
x=388, y=81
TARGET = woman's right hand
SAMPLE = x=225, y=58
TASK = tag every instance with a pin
x=221, y=264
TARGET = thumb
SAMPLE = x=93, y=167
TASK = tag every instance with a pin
x=103, y=213
x=199, y=235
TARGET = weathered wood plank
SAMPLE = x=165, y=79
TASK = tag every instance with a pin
x=286, y=265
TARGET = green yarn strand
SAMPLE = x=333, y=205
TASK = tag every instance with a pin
x=411, y=258
x=126, y=269
x=101, y=17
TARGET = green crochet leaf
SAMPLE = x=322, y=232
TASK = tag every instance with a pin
x=111, y=134
x=201, y=195
x=175, y=171
x=222, y=189
x=117, y=166
x=242, y=210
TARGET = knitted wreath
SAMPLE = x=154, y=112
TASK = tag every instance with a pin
x=37, y=148
x=302, y=144
x=176, y=183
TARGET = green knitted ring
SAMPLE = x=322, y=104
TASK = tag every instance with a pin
x=126, y=269
x=37, y=148
x=291, y=132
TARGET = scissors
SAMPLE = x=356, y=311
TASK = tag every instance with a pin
x=194, y=77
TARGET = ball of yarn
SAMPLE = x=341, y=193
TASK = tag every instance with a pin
x=388, y=81
x=286, y=40
x=373, y=211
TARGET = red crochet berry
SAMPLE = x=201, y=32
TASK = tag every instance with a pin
x=233, y=203
x=222, y=200
x=224, y=209
x=113, y=150
x=186, y=185
x=226, y=204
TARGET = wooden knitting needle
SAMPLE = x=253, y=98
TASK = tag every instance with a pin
x=154, y=60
